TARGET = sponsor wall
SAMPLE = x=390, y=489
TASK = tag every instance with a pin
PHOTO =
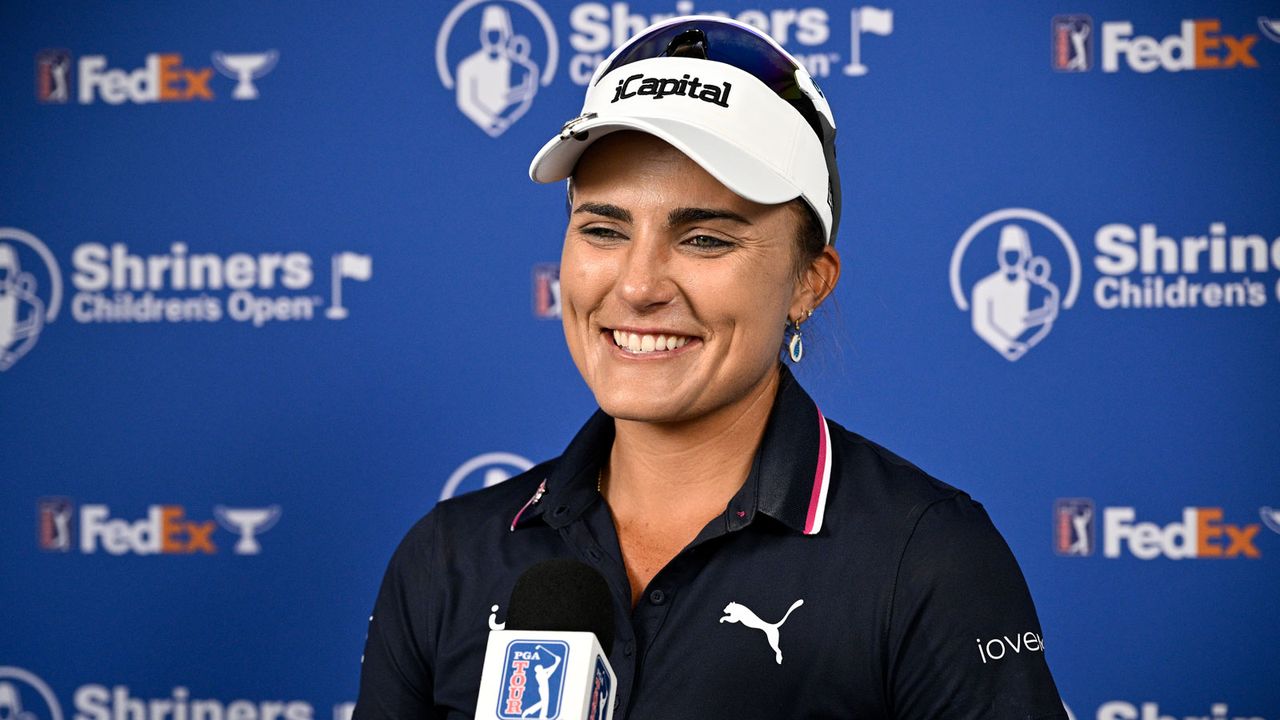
x=273, y=282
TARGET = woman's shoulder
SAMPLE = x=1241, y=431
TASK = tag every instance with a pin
x=934, y=528
x=875, y=477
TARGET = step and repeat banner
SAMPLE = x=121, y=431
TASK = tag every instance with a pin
x=273, y=282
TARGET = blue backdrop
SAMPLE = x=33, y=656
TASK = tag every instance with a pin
x=273, y=280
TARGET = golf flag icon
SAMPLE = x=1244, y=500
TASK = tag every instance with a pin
x=347, y=265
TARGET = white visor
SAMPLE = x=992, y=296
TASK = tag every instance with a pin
x=723, y=118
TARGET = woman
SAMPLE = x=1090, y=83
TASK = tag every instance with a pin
x=764, y=562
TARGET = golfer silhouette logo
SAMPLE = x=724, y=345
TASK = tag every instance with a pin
x=55, y=525
x=53, y=76
x=542, y=678
x=1072, y=48
x=1079, y=48
x=495, y=83
x=23, y=312
x=1080, y=529
x=533, y=680
x=1014, y=308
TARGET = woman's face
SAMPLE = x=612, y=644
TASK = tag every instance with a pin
x=675, y=291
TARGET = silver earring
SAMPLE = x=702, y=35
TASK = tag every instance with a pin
x=795, y=348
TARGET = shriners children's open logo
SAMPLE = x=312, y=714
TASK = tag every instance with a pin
x=24, y=696
x=1009, y=287
x=491, y=62
x=115, y=284
x=29, y=296
x=495, y=55
x=533, y=679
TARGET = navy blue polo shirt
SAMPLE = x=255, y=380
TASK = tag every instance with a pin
x=840, y=582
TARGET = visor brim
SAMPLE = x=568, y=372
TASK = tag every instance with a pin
x=732, y=165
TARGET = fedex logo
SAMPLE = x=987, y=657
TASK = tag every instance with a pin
x=162, y=79
x=1201, y=45
x=165, y=530
x=1200, y=534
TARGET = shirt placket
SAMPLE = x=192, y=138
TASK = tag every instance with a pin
x=594, y=541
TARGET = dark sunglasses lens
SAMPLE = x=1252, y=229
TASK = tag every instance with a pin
x=731, y=46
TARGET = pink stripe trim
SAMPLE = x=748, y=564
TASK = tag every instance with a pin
x=821, y=476
x=542, y=487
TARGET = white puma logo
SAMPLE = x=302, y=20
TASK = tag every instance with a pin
x=736, y=613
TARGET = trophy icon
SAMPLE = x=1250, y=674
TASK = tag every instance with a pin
x=248, y=522
x=1270, y=517
x=245, y=67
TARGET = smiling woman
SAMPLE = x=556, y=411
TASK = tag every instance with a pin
x=708, y=490
x=657, y=248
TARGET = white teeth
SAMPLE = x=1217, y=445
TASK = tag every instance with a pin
x=631, y=342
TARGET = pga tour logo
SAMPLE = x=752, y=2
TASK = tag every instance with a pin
x=601, y=692
x=1073, y=527
x=533, y=679
x=1072, y=43
x=546, y=291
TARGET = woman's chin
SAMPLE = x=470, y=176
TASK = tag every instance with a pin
x=641, y=406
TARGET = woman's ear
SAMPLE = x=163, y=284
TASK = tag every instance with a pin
x=817, y=282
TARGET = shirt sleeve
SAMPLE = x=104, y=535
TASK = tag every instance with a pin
x=964, y=640
x=396, y=672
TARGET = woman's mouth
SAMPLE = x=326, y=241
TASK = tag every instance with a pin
x=640, y=343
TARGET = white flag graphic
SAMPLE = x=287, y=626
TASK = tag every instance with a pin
x=355, y=266
x=347, y=265
x=877, y=21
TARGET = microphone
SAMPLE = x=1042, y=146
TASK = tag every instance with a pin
x=552, y=660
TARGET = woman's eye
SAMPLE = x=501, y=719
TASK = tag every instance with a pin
x=601, y=232
x=707, y=242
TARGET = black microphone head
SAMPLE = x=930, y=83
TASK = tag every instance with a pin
x=563, y=595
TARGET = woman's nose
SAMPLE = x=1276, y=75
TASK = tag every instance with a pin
x=644, y=281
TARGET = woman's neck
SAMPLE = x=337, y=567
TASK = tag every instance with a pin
x=702, y=462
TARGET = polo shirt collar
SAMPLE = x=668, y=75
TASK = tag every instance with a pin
x=791, y=473
x=789, y=478
x=571, y=485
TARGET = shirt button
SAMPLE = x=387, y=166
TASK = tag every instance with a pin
x=657, y=597
x=628, y=648
x=560, y=511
